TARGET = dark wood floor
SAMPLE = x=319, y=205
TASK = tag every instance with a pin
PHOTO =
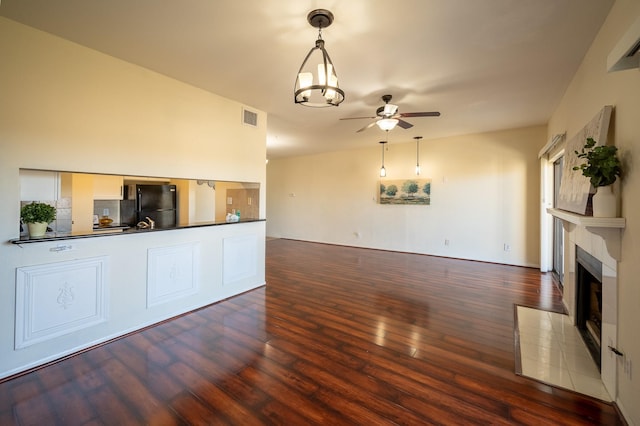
x=339, y=335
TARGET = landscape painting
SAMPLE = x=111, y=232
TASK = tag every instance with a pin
x=405, y=191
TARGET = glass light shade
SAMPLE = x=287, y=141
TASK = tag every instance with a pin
x=383, y=172
x=333, y=82
x=322, y=77
x=390, y=109
x=417, y=169
x=306, y=80
x=387, y=123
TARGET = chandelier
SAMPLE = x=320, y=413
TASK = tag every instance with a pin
x=317, y=81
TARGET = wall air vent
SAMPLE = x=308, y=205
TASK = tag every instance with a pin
x=249, y=118
x=626, y=53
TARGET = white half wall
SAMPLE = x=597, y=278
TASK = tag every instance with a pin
x=66, y=107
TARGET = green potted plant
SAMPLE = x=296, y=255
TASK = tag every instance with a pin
x=602, y=167
x=37, y=216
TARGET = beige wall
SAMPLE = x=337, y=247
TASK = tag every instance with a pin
x=592, y=88
x=484, y=194
x=66, y=107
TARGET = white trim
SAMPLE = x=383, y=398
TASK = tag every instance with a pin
x=555, y=140
x=546, y=220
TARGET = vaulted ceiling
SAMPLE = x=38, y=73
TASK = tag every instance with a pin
x=484, y=64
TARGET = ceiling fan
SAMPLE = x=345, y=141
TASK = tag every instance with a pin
x=387, y=116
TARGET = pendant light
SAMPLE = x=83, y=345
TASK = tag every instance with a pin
x=417, y=138
x=383, y=171
x=317, y=82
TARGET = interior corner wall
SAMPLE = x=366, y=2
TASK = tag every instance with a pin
x=66, y=107
x=484, y=197
x=591, y=88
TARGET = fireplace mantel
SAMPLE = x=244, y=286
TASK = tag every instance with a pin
x=608, y=228
x=588, y=221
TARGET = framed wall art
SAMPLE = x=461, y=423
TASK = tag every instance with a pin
x=405, y=191
x=574, y=187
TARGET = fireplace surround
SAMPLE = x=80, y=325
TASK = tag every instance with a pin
x=601, y=239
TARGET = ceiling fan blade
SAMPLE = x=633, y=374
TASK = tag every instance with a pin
x=404, y=124
x=420, y=114
x=357, y=118
x=368, y=126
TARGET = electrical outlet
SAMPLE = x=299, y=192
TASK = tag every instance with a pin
x=507, y=247
x=446, y=242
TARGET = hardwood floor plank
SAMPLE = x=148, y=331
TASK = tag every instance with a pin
x=111, y=408
x=277, y=413
x=367, y=397
x=339, y=335
x=194, y=412
x=219, y=404
x=293, y=401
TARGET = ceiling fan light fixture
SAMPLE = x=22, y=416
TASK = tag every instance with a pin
x=387, y=117
x=387, y=124
x=320, y=89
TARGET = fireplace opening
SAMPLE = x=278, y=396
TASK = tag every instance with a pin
x=589, y=301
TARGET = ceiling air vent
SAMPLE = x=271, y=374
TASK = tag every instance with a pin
x=626, y=53
x=249, y=118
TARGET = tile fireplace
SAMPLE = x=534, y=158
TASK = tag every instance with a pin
x=590, y=294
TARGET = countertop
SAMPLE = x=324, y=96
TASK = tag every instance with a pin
x=119, y=230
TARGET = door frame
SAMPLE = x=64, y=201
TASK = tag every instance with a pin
x=546, y=220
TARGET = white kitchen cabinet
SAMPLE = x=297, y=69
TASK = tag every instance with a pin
x=39, y=185
x=107, y=187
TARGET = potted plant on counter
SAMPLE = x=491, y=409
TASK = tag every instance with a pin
x=602, y=167
x=37, y=216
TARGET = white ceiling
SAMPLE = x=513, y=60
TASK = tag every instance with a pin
x=484, y=64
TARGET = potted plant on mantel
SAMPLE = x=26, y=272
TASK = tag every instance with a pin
x=37, y=216
x=602, y=167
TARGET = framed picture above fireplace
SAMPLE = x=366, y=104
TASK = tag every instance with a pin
x=574, y=187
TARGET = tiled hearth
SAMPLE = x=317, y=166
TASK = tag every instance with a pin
x=552, y=351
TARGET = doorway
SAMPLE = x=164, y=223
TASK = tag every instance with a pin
x=558, y=232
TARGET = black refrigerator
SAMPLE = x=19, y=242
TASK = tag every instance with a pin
x=157, y=202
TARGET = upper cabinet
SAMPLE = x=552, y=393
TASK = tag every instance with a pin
x=39, y=185
x=107, y=187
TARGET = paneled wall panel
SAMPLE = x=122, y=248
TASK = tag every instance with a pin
x=58, y=298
